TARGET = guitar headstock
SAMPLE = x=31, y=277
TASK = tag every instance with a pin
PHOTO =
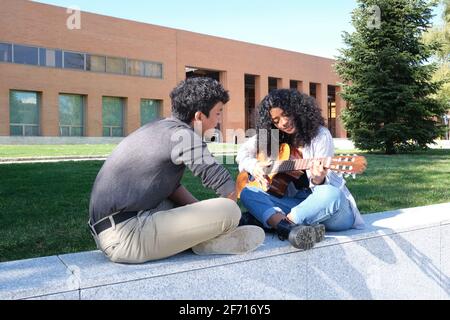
x=348, y=164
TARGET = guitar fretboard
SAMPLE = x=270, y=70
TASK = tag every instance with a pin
x=296, y=165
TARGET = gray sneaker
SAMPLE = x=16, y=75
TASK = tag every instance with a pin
x=320, y=232
x=302, y=237
x=239, y=241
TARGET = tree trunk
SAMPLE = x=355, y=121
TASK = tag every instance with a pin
x=390, y=147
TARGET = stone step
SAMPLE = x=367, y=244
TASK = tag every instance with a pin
x=402, y=254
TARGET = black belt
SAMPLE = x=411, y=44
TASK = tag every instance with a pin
x=118, y=218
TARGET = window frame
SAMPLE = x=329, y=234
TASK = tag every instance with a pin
x=111, y=128
x=10, y=52
x=73, y=52
x=159, y=113
x=83, y=115
x=25, y=125
x=13, y=55
x=41, y=54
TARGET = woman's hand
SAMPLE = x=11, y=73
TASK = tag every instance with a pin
x=318, y=172
x=260, y=175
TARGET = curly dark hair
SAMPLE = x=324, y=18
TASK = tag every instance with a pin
x=306, y=114
x=196, y=94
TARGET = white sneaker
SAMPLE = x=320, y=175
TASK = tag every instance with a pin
x=239, y=241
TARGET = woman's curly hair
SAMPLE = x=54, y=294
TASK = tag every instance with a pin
x=306, y=114
x=196, y=94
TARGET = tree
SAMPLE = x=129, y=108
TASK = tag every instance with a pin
x=441, y=34
x=388, y=77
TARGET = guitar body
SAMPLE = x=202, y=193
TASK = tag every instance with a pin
x=290, y=166
x=278, y=183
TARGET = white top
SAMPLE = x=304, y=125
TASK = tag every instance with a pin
x=321, y=146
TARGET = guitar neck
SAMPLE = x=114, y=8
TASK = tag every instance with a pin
x=296, y=165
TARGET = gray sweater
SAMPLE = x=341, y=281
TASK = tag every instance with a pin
x=148, y=165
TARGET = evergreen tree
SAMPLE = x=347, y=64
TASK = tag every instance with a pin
x=388, y=77
x=441, y=33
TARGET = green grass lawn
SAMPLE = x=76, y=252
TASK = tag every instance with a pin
x=30, y=151
x=44, y=207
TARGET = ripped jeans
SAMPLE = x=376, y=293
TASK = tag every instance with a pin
x=325, y=204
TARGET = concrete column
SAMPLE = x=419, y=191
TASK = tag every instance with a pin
x=340, y=106
x=322, y=99
x=4, y=111
x=132, y=114
x=94, y=121
x=181, y=72
x=49, y=113
x=166, y=107
x=234, y=115
x=261, y=87
x=283, y=83
x=304, y=87
x=223, y=78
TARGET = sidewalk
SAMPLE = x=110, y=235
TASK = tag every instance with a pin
x=402, y=254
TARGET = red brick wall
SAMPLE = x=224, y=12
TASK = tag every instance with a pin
x=30, y=23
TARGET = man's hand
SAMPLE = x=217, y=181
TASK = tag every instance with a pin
x=260, y=175
x=182, y=197
x=233, y=196
x=318, y=172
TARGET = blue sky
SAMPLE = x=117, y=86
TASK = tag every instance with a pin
x=312, y=27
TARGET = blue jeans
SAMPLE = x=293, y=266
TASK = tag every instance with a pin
x=326, y=205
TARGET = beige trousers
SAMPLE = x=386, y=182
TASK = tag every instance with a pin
x=166, y=231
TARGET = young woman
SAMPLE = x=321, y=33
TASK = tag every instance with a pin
x=316, y=201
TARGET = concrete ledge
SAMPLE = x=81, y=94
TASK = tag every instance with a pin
x=402, y=254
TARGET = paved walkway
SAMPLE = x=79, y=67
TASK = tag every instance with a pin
x=402, y=254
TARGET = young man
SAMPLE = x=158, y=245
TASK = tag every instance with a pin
x=139, y=211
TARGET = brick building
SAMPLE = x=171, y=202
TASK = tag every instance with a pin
x=111, y=76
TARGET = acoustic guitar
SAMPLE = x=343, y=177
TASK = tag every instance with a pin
x=289, y=166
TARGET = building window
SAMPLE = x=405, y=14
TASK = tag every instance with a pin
x=115, y=65
x=150, y=110
x=71, y=115
x=96, y=63
x=313, y=90
x=73, y=60
x=153, y=70
x=5, y=52
x=136, y=68
x=53, y=58
x=24, y=113
x=273, y=84
x=26, y=55
x=113, y=117
x=50, y=58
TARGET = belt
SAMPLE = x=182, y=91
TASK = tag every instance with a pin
x=106, y=223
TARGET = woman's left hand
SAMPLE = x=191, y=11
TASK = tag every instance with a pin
x=318, y=172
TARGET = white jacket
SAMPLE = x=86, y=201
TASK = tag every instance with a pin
x=321, y=146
